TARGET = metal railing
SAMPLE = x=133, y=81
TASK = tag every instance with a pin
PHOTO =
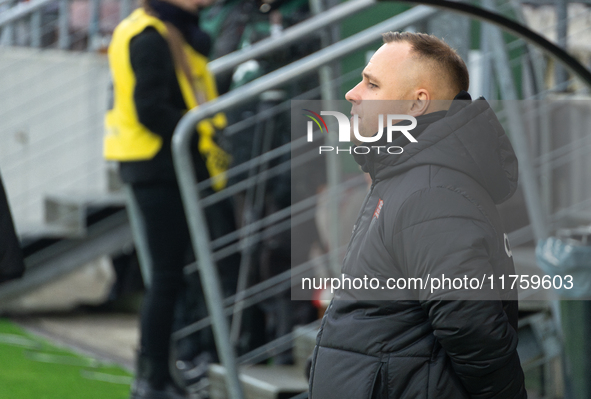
x=191, y=199
x=193, y=204
x=31, y=12
x=187, y=179
x=34, y=11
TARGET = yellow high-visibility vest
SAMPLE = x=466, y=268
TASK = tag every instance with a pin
x=126, y=139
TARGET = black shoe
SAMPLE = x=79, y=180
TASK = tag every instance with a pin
x=193, y=371
x=153, y=380
x=142, y=389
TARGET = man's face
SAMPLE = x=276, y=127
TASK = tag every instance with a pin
x=391, y=74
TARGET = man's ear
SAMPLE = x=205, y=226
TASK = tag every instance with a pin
x=421, y=102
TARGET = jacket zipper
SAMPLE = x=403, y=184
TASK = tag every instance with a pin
x=356, y=225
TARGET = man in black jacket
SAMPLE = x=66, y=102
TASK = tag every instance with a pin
x=431, y=211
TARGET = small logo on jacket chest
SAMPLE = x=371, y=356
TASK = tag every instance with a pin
x=507, y=246
x=376, y=213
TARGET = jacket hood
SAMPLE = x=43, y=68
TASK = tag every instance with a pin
x=468, y=139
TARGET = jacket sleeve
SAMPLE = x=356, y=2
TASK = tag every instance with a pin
x=154, y=71
x=441, y=232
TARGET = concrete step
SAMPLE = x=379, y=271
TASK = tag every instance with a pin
x=304, y=342
x=530, y=300
x=260, y=381
x=34, y=231
x=540, y=351
x=70, y=210
x=538, y=340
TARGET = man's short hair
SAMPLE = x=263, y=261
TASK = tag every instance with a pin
x=433, y=48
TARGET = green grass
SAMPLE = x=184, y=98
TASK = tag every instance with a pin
x=32, y=368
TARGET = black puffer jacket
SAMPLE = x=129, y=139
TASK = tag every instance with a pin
x=438, y=217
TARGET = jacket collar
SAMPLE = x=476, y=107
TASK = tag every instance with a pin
x=367, y=161
x=467, y=138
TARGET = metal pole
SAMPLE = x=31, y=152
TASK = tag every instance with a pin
x=201, y=243
x=577, y=171
x=63, y=24
x=93, y=24
x=540, y=120
x=546, y=170
x=504, y=73
x=7, y=35
x=487, y=77
x=561, y=38
x=253, y=211
x=187, y=179
x=36, y=29
x=333, y=175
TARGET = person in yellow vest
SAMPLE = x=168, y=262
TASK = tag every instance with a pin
x=158, y=63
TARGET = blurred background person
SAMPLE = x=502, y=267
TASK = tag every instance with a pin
x=235, y=25
x=158, y=59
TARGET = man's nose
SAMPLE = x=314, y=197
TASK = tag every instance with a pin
x=353, y=95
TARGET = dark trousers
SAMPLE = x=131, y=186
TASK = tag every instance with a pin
x=169, y=248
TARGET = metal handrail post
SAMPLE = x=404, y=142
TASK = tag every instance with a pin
x=7, y=36
x=561, y=7
x=187, y=179
x=36, y=32
x=535, y=208
x=332, y=160
x=486, y=80
x=64, y=24
x=201, y=242
x=93, y=24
